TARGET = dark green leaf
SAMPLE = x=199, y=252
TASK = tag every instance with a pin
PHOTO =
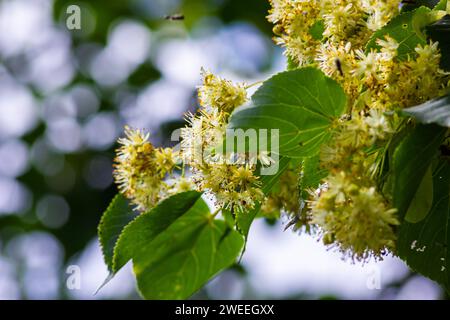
x=302, y=104
x=442, y=5
x=312, y=173
x=433, y=111
x=268, y=181
x=244, y=219
x=190, y=262
x=407, y=29
x=115, y=218
x=177, y=247
x=411, y=159
x=425, y=245
x=421, y=204
x=291, y=64
x=149, y=225
x=180, y=260
x=228, y=217
x=317, y=30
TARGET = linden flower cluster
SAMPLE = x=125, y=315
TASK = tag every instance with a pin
x=300, y=24
x=145, y=174
x=349, y=209
x=383, y=79
x=221, y=94
x=140, y=169
x=393, y=82
x=353, y=215
x=231, y=180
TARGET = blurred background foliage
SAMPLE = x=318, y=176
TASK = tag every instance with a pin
x=65, y=96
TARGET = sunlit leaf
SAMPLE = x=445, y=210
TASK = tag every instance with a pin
x=302, y=104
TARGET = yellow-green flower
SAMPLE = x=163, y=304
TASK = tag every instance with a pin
x=354, y=218
x=221, y=94
x=139, y=169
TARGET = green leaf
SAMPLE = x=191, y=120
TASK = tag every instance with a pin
x=312, y=173
x=268, y=181
x=433, y=111
x=244, y=219
x=228, y=217
x=302, y=104
x=317, y=30
x=411, y=159
x=149, y=225
x=421, y=204
x=442, y=5
x=291, y=64
x=407, y=29
x=425, y=245
x=115, y=218
x=185, y=270
x=177, y=247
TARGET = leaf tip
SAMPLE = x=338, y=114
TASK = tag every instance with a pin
x=108, y=278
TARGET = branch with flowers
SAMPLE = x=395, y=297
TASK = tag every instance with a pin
x=362, y=152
